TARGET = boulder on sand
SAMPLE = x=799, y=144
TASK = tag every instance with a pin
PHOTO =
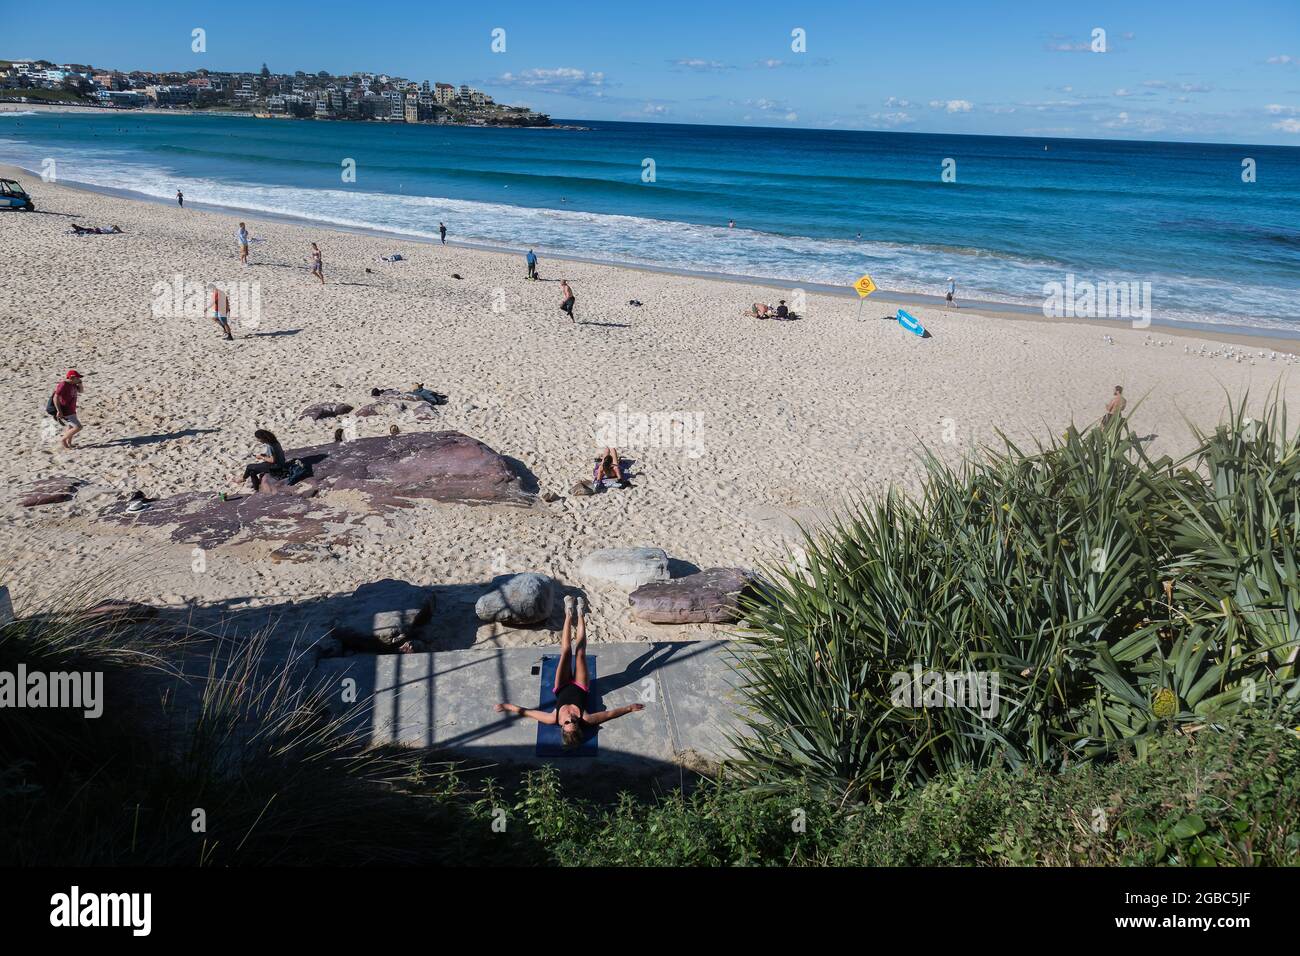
x=519, y=599
x=325, y=410
x=626, y=567
x=706, y=597
x=382, y=615
x=50, y=491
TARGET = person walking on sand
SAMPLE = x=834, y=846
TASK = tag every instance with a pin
x=64, y=400
x=568, y=298
x=442, y=233
x=1115, y=407
x=219, y=302
x=952, y=291
x=180, y=199
x=243, y=244
x=531, y=259
x=572, y=686
x=317, y=267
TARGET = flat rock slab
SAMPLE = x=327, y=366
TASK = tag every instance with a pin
x=626, y=567
x=711, y=596
x=383, y=614
x=520, y=599
x=390, y=470
x=325, y=410
x=50, y=491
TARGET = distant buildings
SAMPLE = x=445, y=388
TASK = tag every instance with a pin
x=359, y=96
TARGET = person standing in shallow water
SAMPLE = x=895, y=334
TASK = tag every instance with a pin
x=442, y=233
x=180, y=199
x=572, y=686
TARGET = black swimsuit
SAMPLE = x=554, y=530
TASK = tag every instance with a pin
x=571, y=693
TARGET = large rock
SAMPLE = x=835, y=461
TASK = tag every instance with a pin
x=50, y=491
x=388, y=471
x=518, y=600
x=627, y=567
x=707, y=597
x=383, y=614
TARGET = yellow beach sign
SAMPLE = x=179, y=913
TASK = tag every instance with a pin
x=865, y=286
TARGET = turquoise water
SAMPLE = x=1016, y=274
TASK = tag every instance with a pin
x=1018, y=216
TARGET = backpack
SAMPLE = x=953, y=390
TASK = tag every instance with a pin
x=50, y=407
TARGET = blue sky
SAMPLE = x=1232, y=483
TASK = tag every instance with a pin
x=1173, y=69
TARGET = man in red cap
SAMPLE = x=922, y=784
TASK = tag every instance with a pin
x=65, y=405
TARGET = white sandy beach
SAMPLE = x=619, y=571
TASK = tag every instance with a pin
x=793, y=416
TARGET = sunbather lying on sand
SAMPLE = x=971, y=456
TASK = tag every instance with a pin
x=96, y=230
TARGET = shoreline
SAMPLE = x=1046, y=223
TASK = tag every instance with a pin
x=1252, y=336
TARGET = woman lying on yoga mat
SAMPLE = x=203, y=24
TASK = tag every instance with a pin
x=571, y=686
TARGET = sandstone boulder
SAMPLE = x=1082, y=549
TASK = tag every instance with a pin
x=520, y=599
x=626, y=567
x=711, y=596
x=383, y=615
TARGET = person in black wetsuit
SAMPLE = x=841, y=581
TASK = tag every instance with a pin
x=572, y=687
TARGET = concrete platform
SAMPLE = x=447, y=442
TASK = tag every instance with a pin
x=445, y=700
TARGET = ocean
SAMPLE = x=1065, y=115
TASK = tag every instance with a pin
x=809, y=206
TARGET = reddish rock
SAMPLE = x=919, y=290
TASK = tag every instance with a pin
x=707, y=597
x=50, y=491
x=390, y=470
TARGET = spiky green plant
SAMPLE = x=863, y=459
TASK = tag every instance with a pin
x=1053, y=570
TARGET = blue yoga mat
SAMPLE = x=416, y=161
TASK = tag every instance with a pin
x=548, y=735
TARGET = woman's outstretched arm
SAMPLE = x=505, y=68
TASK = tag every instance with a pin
x=541, y=716
x=605, y=715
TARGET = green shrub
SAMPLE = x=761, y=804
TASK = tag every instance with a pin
x=1111, y=596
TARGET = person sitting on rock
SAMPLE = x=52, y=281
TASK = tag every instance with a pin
x=572, y=686
x=271, y=462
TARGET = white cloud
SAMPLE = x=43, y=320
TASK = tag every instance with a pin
x=897, y=118
x=564, y=80
x=1283, y=59
x=1122, y=92
x=952, y=106
x=702, y=66
x=1288, y=126
x=895, y=102
x=1277, y=109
